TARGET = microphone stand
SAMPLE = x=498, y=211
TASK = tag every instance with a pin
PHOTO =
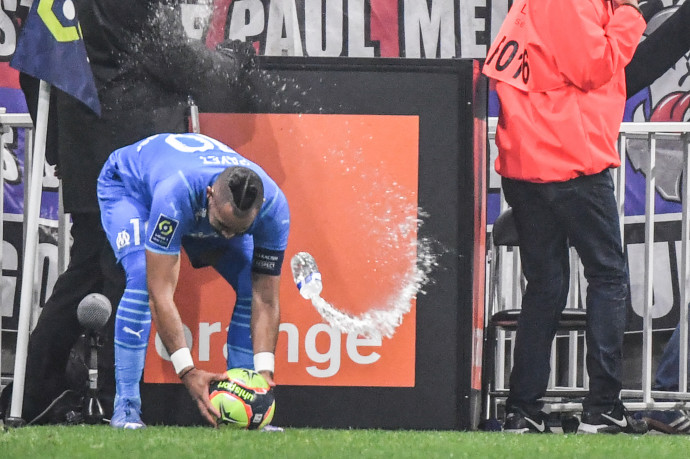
x=93, y=313
x=92, y=409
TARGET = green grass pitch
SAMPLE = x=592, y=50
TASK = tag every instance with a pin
x=199, y=442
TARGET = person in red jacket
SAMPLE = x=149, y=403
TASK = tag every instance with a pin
x=559, y=67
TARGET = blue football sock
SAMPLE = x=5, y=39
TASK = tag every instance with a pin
x=129, y=366
x=239, y=347
x=132, y=328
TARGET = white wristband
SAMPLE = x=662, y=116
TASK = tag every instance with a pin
x=264, y=361
x=181, y=359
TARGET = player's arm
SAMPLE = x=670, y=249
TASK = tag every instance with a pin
x=265, y=321
x=270, y=241
x=162, y=272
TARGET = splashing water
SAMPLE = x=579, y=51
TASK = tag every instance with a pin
x=385, y=321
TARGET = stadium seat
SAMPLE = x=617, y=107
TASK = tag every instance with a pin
x=501, y=317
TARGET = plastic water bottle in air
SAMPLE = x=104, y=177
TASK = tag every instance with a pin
x=306, y=275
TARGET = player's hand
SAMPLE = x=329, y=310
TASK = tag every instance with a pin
x=197, y=382
x=268, y=376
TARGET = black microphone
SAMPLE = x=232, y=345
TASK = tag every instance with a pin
x=93, y=313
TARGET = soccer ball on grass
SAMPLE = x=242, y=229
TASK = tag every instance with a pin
x=245, y=401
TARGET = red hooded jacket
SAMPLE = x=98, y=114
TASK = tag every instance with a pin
x=559, y=67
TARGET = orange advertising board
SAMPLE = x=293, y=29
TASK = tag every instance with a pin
x=352, y=185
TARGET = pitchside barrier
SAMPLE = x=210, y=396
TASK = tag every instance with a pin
x=647, y=315
x=383, y=164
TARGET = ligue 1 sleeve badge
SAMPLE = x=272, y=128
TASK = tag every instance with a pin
x=164, y=231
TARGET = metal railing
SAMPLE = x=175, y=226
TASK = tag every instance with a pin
x=510, y=274
x=654, y=132
x=9, y=121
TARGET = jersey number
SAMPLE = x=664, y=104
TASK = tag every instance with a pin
x=135, y=228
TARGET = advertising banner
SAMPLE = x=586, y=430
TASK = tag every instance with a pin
x=357, y=28
x=351, y=183
x=14, y=175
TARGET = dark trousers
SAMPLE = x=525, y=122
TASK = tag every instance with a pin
x=92, y=268
x=549, y=217
x=667, y=375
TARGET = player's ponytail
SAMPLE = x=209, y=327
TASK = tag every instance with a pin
x=246, y=188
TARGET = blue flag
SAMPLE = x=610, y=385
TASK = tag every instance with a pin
x=51, y=47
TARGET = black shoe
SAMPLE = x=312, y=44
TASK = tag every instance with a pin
x=517, y=421
x=615, y=421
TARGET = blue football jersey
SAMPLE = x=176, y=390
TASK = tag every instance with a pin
x=168, y=175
